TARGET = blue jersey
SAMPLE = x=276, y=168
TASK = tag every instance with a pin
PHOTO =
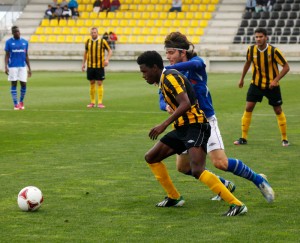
x=194, y=70
x=17, y=49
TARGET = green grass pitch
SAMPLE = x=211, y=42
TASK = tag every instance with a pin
x=89, y=164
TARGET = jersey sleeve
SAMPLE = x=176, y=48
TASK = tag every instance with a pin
x=189, y=65
x=279, y=58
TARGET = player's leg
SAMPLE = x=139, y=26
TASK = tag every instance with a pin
x=13, y=78
x=91, y=77
x=100, y=76
x=154, y=158
x=275, y=100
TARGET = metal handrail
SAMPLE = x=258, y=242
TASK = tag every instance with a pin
x=10, y=17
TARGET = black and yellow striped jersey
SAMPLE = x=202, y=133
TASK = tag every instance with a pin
x=264, y=64
x=173, y=83
x=95, y=50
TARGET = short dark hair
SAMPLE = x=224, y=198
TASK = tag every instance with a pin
x=261, y=30
x=14, y=28
x=150, y=58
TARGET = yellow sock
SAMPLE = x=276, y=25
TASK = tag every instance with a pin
x=92, y=93
x=161, y=174
x=246, y=120
x=213, y=182
x=100, y=94
x=281, y=120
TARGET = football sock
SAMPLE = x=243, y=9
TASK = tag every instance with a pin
x=224, y=181
x=281, y=120
x=13, y=91
x=246, y=120
x=213, y=182
x=161, y=174
x=23, y=92
x=100, y=94
x=238, y=168
x=92, y=93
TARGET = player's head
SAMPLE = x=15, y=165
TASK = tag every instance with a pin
x=261, y=37
x=178, y=48
x=15, y=32
x=151, y=66
x=94, y=33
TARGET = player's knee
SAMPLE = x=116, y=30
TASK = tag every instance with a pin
x=220, y=164
x=148, y=158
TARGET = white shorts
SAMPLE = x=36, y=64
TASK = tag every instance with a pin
x=215, y=140
x=17, y=74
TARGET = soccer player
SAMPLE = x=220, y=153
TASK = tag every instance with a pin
x=16, y=59
x=94, y=56
x=265, y=82
x=191, y=133
x=181, y=56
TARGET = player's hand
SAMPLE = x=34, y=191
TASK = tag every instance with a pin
x=241, y=83
x=29, y=73
x=273, y=84
x=83, y=68
x=6, y=70
x=169, y=109
x=106, y=63
x=154, y=132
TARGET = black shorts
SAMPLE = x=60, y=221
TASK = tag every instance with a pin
x=95, y=74
x=186, y=137
x=255, y=94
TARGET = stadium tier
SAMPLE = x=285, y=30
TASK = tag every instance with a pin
x=145, y=21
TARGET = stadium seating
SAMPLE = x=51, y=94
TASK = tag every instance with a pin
x=136, y=21
x=281, y=23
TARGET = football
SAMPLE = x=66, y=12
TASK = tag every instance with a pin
x=30, y=198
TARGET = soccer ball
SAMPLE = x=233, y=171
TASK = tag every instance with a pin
x=30, y=198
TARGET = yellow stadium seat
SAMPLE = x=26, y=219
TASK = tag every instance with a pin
x=81, y=8
x=154, y=15
x=102, y=15
x=127, y=30
x=85, y=1
x=144, y=1
x=167, y=8
x=60, y=38
x=198, y=15
x=189, y=15
x=141, y=8
x=214, y=1
x=159, y=8
x=164, y=2
x=63, y=23
x=51, y=38
x=211, y=8
x=66, y=31
x=75, y=31
x=176, y=23
x=93, y=15
x=167, y=23
x=159, y=39
x=180, y=15
x=154, y=2
x=194, y=23
x=120, y=15
x=199, y=31
x=48, y=30
x=195, y=39
x=123, y=39
x=39, y=30
x=150, y=39
x=150, y=23
x=136, y=31
x=128, y=15
x=132, y=22
x=137, y=15
x=150, y=8
x=87, y=23
x=45, y=22
x=101, y=30
x=145, y=31
x=73, y=22
x=202, y=8
x=114, y=22
x=85, y=38
x=153, y=31
x=124, y=22
x=98, y=22
x=132, y=39
x=141, y=22
x=185, y=8
x=159, y=23
x=78, y=39
x=89, y=8
x=163, y=31
x=57, y=30
x=34, y=38
x=188, y=2
x=163, y=15
x=172, y=15
x=207, y=15
x=111, y=15
x=54, y=22
x=197, y=1
x=119, y=30
x=69, y=39
x=146, y=15
x=84, y=31
x=43, y=39
x=185, y=23
x=203, y=23
x=84, y=15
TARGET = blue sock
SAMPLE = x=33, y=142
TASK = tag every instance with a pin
x=23, y=92
x=238, y=168
x=13, y=91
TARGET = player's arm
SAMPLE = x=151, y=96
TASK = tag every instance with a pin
x=184, y=105
x=185, y=66
x=283, y=72
x=245, y=70
x=6, y=58
x=28, y=64
x=108, y=56
x=84, y=61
